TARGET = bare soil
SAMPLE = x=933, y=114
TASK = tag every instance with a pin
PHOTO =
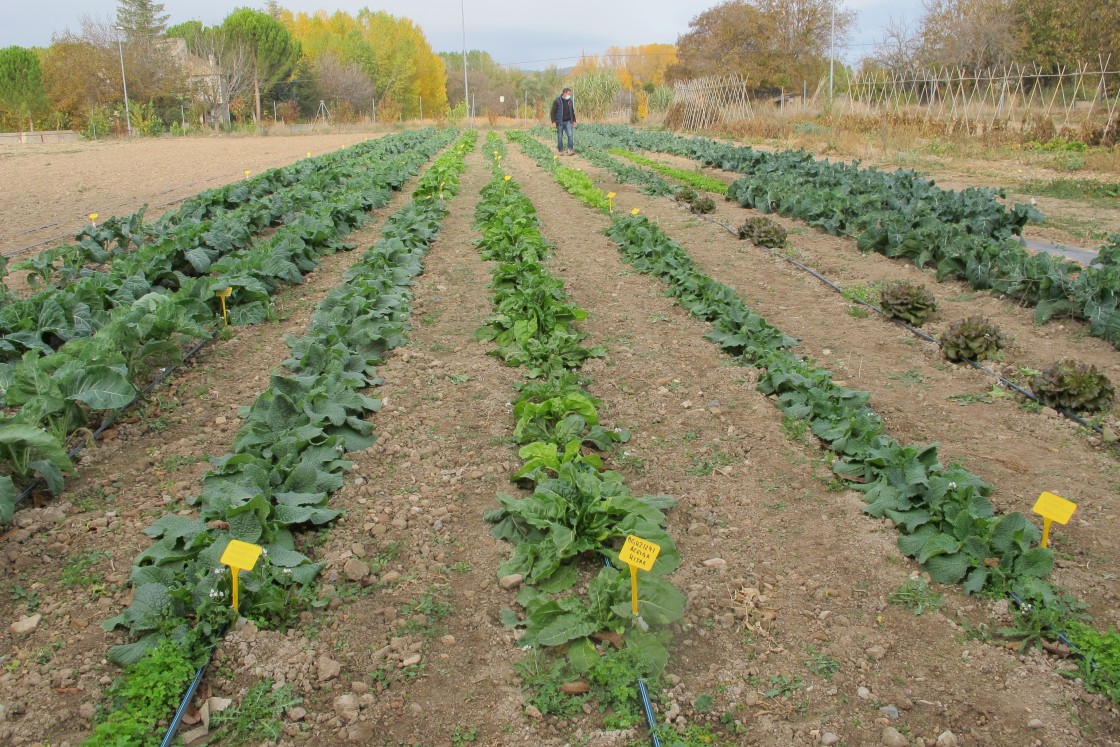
x=50, y=189
x=781, y=569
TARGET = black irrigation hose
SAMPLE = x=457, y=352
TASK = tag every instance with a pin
x=1003, y=380
x=108, y=422
x=188, y=696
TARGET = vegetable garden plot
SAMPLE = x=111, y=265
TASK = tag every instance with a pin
x=577, y=509
x=825, y=572
x=136, y=315
x=851, y=430
x=775, y=641
x=965, y=234
x=287, y=458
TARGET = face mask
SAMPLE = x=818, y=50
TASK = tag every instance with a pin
x=566, y=97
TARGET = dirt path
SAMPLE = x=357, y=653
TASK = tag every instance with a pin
x=51, y=189
x=70, y=560
x=830, y=592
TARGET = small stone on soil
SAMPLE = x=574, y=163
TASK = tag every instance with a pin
x=510, y=582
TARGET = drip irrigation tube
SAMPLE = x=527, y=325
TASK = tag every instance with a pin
x=108, y=422
x=1003, y=380
x=647, y=707
x=184, y=704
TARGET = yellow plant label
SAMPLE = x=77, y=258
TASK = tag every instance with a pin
x=224, y=293
x=639, y=553
x=1054, y=508
x=241, y=555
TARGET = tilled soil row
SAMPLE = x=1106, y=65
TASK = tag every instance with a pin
x=69, y=560
x=410, y=650
x=779, y=569
x=838, y=258
x=62, y=184
x=1069, y=222
x=920, y=396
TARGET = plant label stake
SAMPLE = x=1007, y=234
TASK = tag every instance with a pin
x=637, y=553
x=239, y=556
x=222, y=295
x=1052, y=508
x=610, y=202
x=247, y=172
x=93, y=219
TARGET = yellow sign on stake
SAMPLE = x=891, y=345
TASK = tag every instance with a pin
x=240, y=556
x=222, y=295
x=1052, y=508
x=637, y=553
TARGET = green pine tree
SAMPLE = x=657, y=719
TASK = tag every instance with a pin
x=141, y=20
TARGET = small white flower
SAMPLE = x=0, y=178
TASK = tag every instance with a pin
x=219, y=570
x=264, y=552
x=952, y=486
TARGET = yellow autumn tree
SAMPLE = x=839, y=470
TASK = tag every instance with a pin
x=391, y=51
x=636, y=67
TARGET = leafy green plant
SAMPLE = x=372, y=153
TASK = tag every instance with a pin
x=702, y=205
x=1079, y=387
x=908, y=302
x=145, y=695
x=917, y=596
x=258, y=717
x=821, y=664
x=1099, y=661
x=692, y=178
x=763, y=231
x=974, y=338
x=78, y=567
x=541, y=677
x=783, y=685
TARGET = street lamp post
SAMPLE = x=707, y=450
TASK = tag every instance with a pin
x=124, y=82
x=466, y=92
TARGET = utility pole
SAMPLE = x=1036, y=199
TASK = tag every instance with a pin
x=466, y=91
x=124, y=82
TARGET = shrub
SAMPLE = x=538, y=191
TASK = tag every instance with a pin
x=908, y=302
x=762, y=231
x=1078, y=387
x=975, y=338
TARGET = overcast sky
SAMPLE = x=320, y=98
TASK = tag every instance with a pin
x=523, y=33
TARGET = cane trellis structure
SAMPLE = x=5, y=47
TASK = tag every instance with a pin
x=979, y=101
x=704, y=102
x=1071, y=98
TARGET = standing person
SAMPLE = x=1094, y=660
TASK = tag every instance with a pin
x=564, y=117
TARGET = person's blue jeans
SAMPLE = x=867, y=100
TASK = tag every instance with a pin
x=561, y=128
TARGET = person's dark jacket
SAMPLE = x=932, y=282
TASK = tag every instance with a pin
x=563, y=111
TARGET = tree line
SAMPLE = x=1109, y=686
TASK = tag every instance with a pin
x=258, y=66
x=254, y=66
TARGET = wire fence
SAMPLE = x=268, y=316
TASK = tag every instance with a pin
x=1081, y=98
